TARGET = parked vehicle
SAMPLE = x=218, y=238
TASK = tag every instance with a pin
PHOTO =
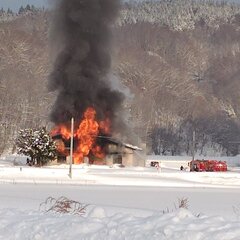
x=208, y=166
x=154, y=163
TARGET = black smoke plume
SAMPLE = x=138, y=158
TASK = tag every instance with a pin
x=80, y=75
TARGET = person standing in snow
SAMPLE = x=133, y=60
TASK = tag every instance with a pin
x=157, y=165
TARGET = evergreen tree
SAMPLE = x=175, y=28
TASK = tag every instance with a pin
x=9, y=11
x=21, y=10
x=37, y=144
x=28, y=8
x=2, y=11
x=33, y=8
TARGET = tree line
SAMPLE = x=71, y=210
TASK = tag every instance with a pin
x=177, y=60
x=9, y=14
x=22, y=9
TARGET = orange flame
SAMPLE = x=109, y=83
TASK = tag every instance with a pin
x=105, y=126
x=61, y=146
x=98, y=152
x=86, y=135
x=62, y=130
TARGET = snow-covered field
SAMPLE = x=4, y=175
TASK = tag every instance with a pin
x=121, y=203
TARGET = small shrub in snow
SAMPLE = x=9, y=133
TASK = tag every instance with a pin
x=36, y=144
x=183, y=203
x=63, y=205
x=236, y=210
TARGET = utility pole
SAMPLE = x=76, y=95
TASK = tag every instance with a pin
x=193, y=144
x=71, y=147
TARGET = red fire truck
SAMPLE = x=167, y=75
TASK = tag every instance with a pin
x=208, y=166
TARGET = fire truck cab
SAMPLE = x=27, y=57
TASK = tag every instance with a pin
x=208, y=166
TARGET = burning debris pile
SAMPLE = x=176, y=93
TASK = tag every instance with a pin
x=81, y=75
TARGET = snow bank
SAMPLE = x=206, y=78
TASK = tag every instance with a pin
x=179, y=225
x=144, y=192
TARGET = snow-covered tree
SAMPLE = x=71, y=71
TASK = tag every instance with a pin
x=179, y=15
x=36, y=144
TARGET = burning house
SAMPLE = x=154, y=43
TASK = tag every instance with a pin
x=93, y=142
x=81, y=35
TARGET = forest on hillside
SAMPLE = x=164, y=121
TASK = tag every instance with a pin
x=177, y=63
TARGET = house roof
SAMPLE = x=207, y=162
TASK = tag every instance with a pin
x=118, y=142
x=109, y=140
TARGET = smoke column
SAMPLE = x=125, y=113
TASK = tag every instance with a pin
x=80, y=75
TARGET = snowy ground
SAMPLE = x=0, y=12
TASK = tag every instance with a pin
x=123, y=203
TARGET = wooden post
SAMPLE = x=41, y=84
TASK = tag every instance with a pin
x=193, y=144
x=71, y=148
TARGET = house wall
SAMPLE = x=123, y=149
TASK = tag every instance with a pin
x=127, y=158
x=132, y=159
x=140, y=158
x=109, y=160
